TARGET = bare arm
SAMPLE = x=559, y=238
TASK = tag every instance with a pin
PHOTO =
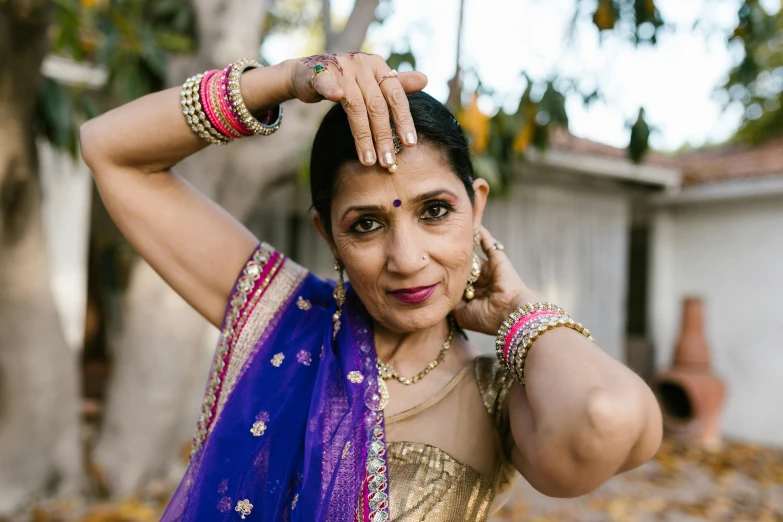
x=582, y=416
x=196, y=246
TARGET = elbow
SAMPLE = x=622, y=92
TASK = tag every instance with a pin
x=620, y=431
x=89, y=144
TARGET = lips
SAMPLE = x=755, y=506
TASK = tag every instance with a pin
x=414, y=295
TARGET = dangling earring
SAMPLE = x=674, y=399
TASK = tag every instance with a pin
x=339, y=296
x=475, y=269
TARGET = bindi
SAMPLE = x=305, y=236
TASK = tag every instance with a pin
x=397, y=203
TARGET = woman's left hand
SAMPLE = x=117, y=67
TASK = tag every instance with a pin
x=499, y=291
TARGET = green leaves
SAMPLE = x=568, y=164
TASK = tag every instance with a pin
x=131, y=38
x=756, y=82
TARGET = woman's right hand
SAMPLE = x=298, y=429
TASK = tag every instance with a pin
x=352, y=79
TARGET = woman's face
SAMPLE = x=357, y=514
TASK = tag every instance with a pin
x=409, y=263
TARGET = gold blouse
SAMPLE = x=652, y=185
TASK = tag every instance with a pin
x=448, y=457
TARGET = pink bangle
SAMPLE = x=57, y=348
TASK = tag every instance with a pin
x=209, y=105
x=223, y=122
x=226, y=107
x=525, y=319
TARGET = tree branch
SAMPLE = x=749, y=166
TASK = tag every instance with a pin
x=455, y=84
x=353, y=35
x=328, y=29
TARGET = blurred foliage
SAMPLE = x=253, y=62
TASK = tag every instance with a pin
x=638, y=18
x=129, y=38
x=498, y=140
x=756, y=82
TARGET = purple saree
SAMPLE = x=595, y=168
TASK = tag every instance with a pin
x=290, y=428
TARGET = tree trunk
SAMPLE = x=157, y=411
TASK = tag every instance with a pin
x=161, y=364
x=39, y=409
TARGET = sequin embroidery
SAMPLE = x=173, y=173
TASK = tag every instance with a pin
x=278, y=359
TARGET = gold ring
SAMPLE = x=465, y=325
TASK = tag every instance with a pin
x=317, y=69
x=390, y=74
x=496, y=246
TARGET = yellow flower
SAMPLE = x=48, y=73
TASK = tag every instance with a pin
x=476, y=124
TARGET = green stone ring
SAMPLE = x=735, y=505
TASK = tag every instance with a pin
x=318, y=68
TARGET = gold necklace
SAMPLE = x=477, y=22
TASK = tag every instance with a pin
x=387, y=371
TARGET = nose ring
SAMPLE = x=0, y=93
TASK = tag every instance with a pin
x=424, y=257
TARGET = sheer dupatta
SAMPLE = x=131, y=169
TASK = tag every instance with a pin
x=290, y=428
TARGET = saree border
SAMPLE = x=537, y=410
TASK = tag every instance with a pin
x=259, y=274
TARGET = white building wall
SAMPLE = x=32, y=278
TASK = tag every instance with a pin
x=731, y=254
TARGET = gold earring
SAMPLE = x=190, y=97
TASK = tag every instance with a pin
x=339, y=296
x=475, y=269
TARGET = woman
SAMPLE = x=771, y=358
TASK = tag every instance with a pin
x=329, y=401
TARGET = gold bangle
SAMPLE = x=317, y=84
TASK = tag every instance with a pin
x=519, y=367
x=515, y=316
x=235, y=95
x=190, y=99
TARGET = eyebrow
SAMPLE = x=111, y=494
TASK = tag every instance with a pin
x=418, y=199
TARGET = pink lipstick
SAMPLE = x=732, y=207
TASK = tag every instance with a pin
x=414, y=295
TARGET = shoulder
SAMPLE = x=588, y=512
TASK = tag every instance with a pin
x=493, y=382
x=268, y=281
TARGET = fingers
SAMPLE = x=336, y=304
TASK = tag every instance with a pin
x=488, y=243
x=412, y=81
x=378, y=112
x=356, y=110
x=325, y=84
x=398, y=103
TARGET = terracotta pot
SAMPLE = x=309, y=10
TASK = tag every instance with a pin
x=691, y=396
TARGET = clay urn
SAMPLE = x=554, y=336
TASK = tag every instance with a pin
x=690, y=394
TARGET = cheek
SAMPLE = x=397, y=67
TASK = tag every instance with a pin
x=363, y=266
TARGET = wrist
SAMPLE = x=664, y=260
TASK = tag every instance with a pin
x=266, y=87
x=522, y=298
x=518, y=299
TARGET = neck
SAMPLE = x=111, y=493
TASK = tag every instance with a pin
x=412, y=349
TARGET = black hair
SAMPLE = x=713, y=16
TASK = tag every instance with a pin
x=334, y=146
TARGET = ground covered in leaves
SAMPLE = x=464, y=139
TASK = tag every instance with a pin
x=741, y=483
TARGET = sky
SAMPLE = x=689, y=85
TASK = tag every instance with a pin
x=675, y=81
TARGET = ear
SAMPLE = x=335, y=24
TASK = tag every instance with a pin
x=319, y=226
x=481, y=191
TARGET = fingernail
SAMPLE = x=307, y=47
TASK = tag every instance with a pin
x=411, y=138
x=389, y=158
x=369, y=157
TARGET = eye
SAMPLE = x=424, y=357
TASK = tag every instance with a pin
x=365, y=225
x=436, y=211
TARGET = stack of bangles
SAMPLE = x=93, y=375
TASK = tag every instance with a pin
x=526, y=324
x=215, y=111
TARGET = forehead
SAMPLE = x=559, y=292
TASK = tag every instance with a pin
x=420, y=169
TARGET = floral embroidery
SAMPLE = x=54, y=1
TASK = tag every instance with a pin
x=313, y=424
x=293, y=504
x=262, y=416
x=223, y=487
x=376, y=480
x=224, y=504
x=258, y=429
x=277, y=360
x=244, y=507
x=303, y=304
x=346, y=448
x=355, y=377
x=247, y=282
x=304, y=357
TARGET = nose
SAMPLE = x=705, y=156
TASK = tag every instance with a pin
x=406, y=253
